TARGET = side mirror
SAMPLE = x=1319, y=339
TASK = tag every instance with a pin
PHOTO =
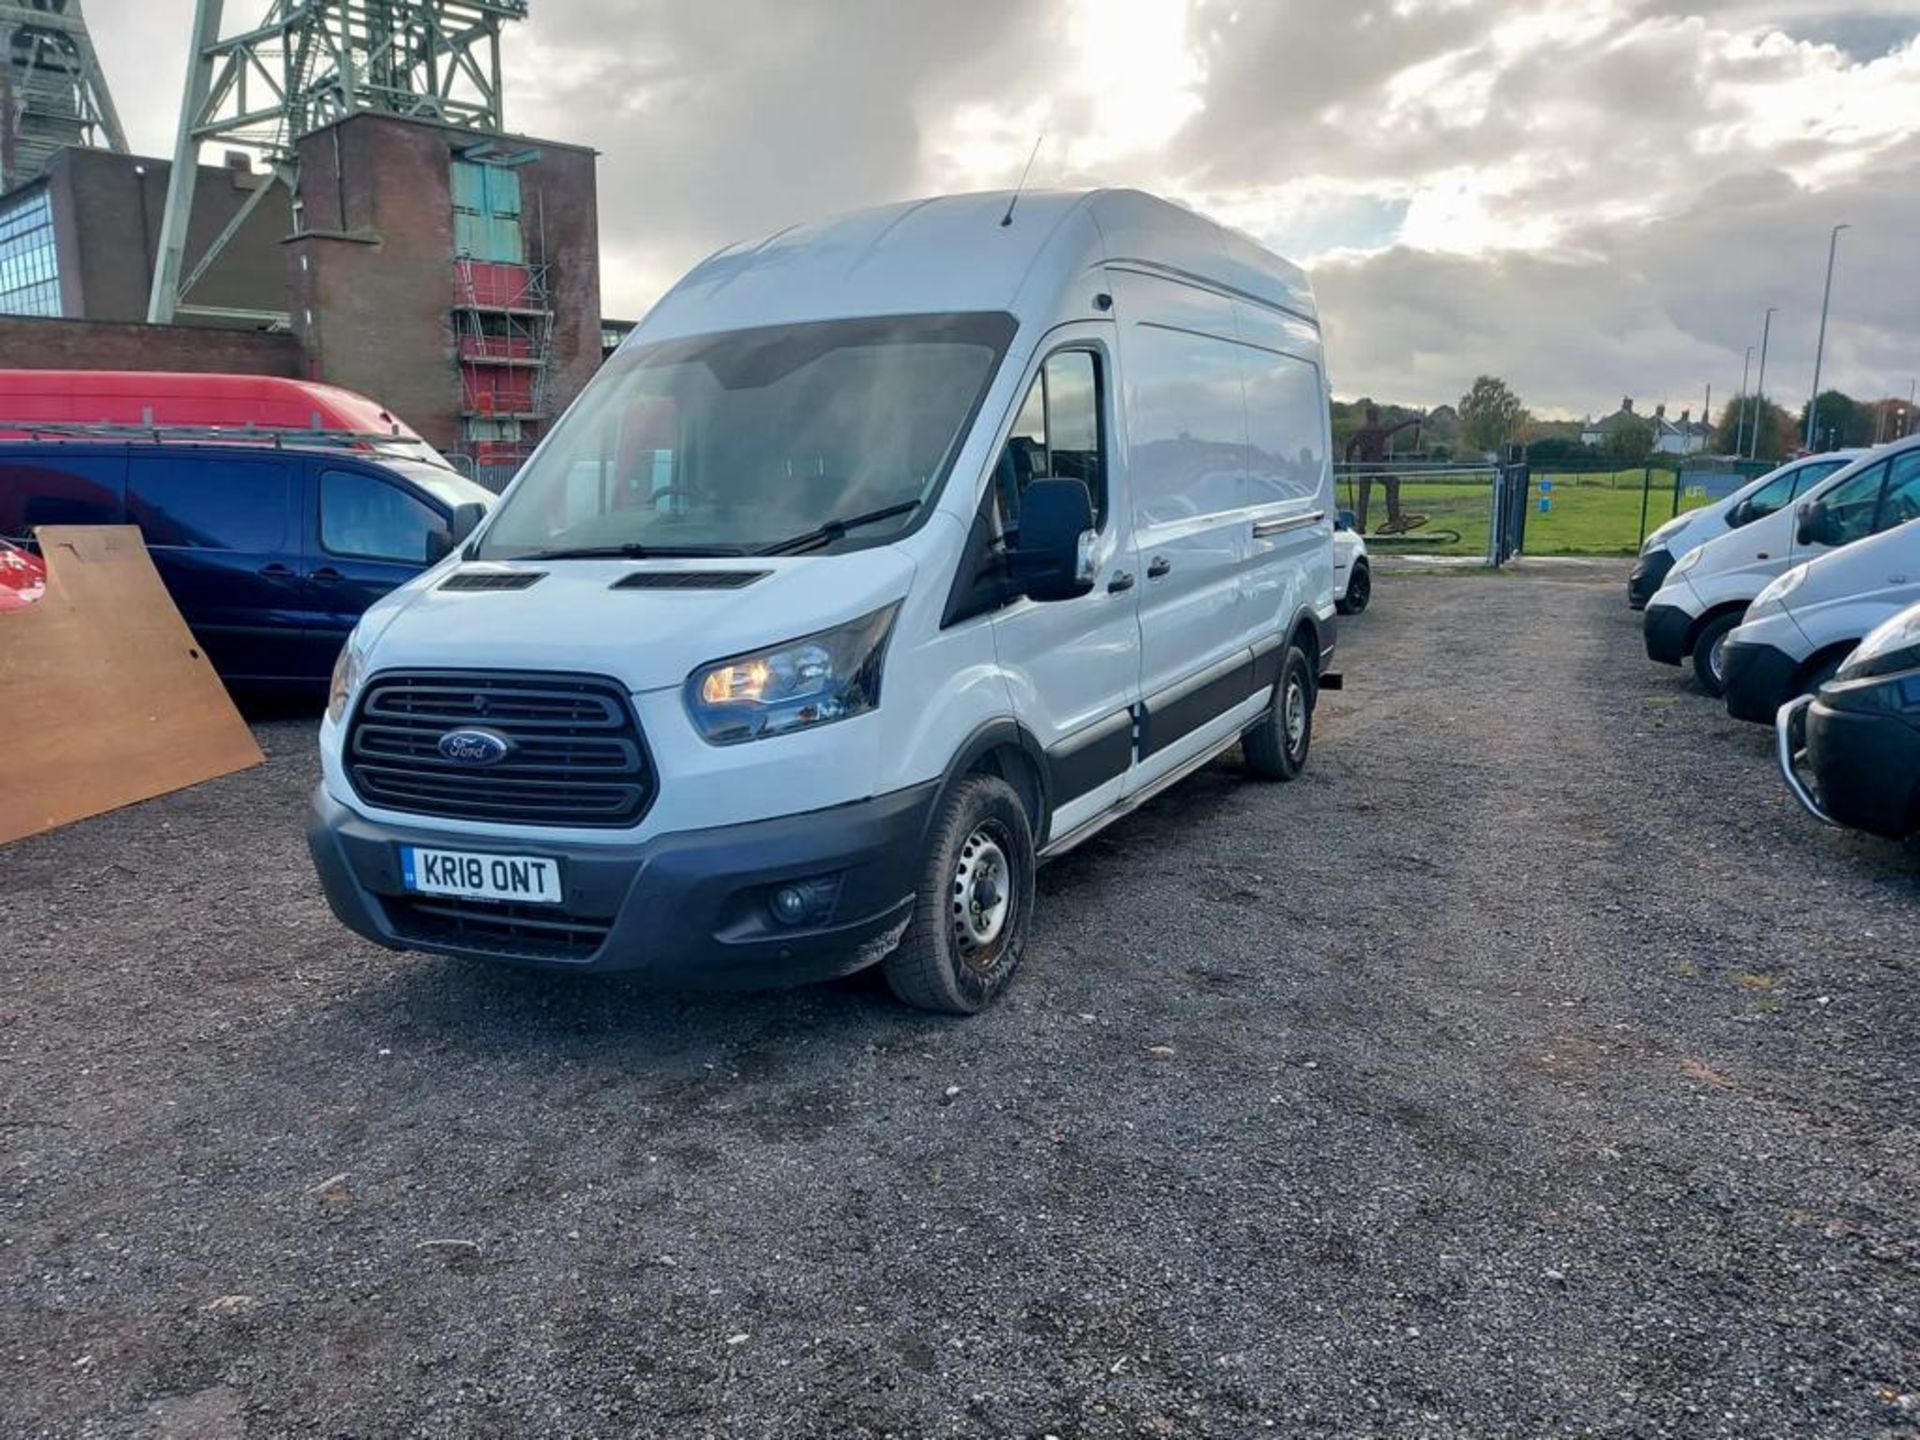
x=465, y=518
x=1741, y=514
x=1054, y=559
x=1813, y=527
x=1345, y=521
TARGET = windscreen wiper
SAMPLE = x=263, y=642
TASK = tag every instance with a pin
x=627, y=552
x=826, y=534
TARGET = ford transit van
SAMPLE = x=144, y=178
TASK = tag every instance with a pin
x=889, y=556
x=1799, y=629
x=1709, y=588
x=1755, y=500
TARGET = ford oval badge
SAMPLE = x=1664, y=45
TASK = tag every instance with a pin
x=474, y=747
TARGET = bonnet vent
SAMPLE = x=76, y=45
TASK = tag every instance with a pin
x=689, y=579
x=492, y=579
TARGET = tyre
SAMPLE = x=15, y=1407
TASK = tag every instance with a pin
x=1359, y=590
x=1276, y=747
x=972, y=905
x=1709, y=654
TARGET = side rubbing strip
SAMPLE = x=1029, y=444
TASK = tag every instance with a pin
x=1185, y=707
x=1090, y=757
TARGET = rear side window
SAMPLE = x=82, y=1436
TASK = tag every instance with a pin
x=1056, y=436
x=58, y=491
x=1901, y=500
x=1187, y=424
x=1286, y=450
x=194, y=502
x=370, y=519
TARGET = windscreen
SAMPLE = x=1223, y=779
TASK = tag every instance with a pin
x=737, y=442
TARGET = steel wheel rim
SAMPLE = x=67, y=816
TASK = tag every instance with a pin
x=1359, y=588
x=981, y=897
x=1717, y=658
x=1293, y=714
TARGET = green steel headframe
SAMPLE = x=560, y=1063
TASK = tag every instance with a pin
x=55, y=94
x=306, y=65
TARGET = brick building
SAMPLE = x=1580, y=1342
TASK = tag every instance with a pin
x=452, y=276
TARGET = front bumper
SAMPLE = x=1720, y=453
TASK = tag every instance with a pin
x=1649, y=574
x=686, y=910
x=1865, y=766
x=1666, y=628
x=1759, y=680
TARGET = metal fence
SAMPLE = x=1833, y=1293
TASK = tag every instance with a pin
x=1422, y=508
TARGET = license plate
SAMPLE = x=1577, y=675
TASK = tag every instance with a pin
x=473, y=876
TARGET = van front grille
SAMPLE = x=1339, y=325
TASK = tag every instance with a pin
x=533, y=932
x=573, y=752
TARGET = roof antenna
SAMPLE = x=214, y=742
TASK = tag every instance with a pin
x=1007, y=219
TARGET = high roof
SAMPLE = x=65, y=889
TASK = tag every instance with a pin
x=952, y=253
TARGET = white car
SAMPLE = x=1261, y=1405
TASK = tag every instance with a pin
x=1757, y=499
x=1802, y=626
x=887, y=557
x=1709, y=588
x=1352, y=571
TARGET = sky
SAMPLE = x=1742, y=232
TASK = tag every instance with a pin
x=1590, y=198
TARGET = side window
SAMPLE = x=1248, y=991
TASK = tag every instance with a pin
x=1056, y=436
x=1286, y=449
x=1187, y=424
x=191, y=502
x=1777, y=492
x=1901, y=500
x=1851, y=505
x=1807, y=475
x=373, y=520
x=65, y=492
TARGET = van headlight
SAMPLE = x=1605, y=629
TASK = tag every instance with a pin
x=347, y=671
x=1774, y=596
x=1687, y=561
x=815, y=680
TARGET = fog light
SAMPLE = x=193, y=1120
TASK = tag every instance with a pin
x=804, y=902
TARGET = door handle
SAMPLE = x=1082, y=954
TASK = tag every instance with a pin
x=1159, y=566
x=325, y=575
x=1263, y=528
x=1122, y=580
x=277, y=571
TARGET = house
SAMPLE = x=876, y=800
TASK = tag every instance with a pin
x=1685, y=436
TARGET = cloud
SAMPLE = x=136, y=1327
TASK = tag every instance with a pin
x=1588, y=196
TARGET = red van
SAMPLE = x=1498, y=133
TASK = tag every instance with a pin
x=23, y=578
x=157, y=397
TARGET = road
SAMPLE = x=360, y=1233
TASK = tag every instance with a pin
x=1529, y=1068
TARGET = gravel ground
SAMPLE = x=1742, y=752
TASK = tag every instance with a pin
x=1530, y=1068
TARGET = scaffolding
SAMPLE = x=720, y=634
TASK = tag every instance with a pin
x=503, y=336
x=55, y=93
x=308, y=64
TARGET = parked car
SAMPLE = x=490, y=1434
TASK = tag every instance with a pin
x=1799, y=629
x=33, y=400
x=271, y=553
x=23, y=578
x=1774, y=491
x=1352, y=571
x=825, y=613
x=1710, y=587
x=1858, y=738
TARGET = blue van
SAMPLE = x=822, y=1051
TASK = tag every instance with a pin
x=271, y=551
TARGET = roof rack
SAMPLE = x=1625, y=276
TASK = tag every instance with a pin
x=275, y=436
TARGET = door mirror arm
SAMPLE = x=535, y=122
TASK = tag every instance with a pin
x=1812, y=527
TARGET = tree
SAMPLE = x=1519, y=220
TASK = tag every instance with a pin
x=1735, y=432
x=1559, y=450
x=1629, y=441
x=1490, y=414
x=1842, y=421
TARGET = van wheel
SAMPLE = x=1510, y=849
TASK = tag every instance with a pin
x=1710, y=653
x=1359, y=590
x=1276, y=746
x=970, y=910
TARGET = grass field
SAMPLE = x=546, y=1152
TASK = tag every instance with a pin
x=1586, y=514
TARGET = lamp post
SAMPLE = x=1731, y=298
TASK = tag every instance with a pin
x=1820, y=346
x=1740, y=415
x=1760, y=385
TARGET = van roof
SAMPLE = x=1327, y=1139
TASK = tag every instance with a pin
x=951, y=253
x=112, y=395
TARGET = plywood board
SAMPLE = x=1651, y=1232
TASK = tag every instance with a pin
x=105, y=697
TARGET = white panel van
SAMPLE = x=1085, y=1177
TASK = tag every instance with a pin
x=1708, y=590
x=889, y=556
